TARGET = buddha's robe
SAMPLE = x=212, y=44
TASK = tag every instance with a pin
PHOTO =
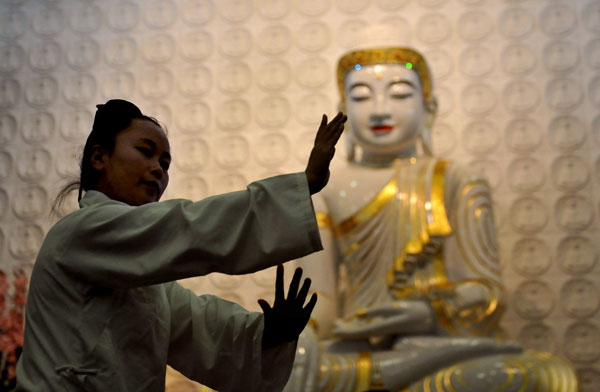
x=421, y=232
x=427, y=233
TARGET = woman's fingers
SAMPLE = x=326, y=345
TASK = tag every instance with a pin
x=317, y=168
x=303, y=291
x=327, y=129
x=336, y=119
x=323, y=124
x=293, y=291
x=266, y=308
x=309, y=308
x=335, y=129
x=279, y=294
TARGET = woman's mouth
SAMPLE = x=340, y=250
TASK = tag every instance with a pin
x=381, y=129
x=151, y=185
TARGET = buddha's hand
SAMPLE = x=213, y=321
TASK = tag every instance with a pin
x=397, y=318
x=317, y=169
x=288, y=317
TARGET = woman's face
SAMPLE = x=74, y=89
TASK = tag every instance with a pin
x=136, y=171
x=385, y=107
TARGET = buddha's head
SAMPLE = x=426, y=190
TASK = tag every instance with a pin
x=387, y=94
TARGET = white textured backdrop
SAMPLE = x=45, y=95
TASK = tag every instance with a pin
x=241, y=85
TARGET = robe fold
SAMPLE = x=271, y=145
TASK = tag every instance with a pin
x=104, y=312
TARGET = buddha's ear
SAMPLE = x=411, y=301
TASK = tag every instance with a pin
x=431, y=105
x=430, y=113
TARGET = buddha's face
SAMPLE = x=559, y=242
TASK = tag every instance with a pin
x=385, y=107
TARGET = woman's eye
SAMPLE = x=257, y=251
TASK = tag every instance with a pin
x=146, y=151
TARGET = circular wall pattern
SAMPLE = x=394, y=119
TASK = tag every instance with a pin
x=576, y=255
x=197, y=12
x=517, y=84
x=516, y=22
x=38, y=127
x=533, y=300
x=31, y=203
x=518, y=59
x=8, y=128
x=581, y=346
x=531, y=257
x=526, y=174
x=480, y=137
x=569, y=173
x=579, y=298
x=12, y=57
x=528, y=215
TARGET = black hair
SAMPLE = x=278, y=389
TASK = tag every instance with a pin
x=111, y=118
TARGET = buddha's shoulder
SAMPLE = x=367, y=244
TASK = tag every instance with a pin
x=352, y=186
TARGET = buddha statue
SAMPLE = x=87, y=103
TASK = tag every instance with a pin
x=409, y=282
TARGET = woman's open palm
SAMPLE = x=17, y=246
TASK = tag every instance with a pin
x=288, y=316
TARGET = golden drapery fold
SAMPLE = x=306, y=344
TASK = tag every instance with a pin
x=398, y=238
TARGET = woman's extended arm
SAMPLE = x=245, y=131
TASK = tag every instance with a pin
x=112, y=244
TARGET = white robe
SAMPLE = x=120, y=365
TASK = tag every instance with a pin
x=104, y=313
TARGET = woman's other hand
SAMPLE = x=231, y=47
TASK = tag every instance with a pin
x=317, y=169
x=288, y=316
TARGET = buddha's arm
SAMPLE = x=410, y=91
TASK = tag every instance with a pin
x=408, y=316
x=471, y=301
x=321, y=268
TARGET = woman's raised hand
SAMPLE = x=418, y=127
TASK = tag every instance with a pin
x=288, y=317
x=317, y=169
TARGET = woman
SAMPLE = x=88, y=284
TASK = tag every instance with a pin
x=104, y=311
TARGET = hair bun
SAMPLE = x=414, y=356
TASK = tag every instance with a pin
x=119, y=107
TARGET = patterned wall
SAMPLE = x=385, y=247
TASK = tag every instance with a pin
x=241, y=85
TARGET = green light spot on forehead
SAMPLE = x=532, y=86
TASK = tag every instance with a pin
x=408, y=65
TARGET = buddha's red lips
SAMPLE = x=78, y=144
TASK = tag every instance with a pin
x=381, y=129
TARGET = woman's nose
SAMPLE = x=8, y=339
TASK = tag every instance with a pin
x=157, y=171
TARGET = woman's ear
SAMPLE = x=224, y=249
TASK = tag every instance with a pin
x=98, y=158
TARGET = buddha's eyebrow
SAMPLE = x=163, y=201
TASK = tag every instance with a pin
x=359, y=84
x=402, y=81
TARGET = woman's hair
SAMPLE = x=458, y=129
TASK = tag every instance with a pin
x=111, y=118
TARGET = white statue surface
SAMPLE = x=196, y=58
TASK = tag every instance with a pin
x=409, y=283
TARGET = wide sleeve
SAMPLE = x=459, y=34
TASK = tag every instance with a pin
x=112, y=244
x=471, y=256
x=219, y=344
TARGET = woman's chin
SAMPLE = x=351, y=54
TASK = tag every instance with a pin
x=140, y=199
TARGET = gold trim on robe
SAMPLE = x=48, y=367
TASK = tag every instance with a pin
x=529, y=371
x=398, y=238
x=323, y=220
x=345, y=372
